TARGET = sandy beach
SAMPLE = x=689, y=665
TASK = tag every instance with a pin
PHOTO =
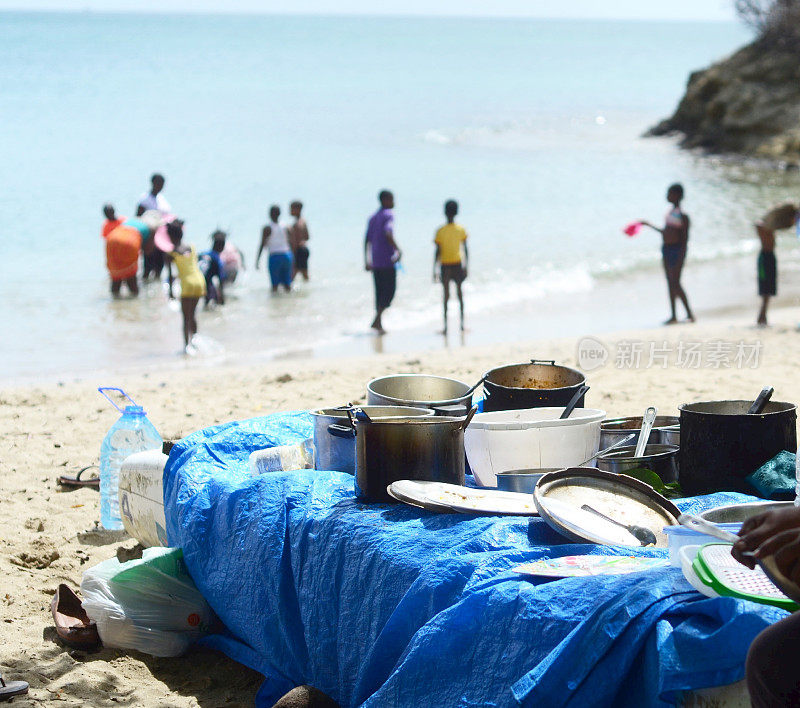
x=54, y=428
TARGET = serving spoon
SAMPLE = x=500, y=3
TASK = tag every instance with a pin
x=647, y=425
x=642, y=534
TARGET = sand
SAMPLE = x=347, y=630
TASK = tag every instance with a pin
x=53, y=428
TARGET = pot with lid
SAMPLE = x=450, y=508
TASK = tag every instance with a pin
x=721, y=443
x=422, y=448
x=535, y=384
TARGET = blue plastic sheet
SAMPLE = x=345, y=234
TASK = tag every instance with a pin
x=387, y=605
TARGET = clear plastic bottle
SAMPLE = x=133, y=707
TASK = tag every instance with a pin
x=299, y=456
x=133, y=432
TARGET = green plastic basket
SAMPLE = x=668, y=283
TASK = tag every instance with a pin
x=719, y=570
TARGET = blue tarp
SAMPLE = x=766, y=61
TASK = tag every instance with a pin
x=388, y=605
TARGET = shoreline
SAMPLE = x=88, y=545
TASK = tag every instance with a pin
x=636, y=300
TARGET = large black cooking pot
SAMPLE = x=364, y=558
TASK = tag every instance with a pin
x=419, y=448
x=721, y=443
x=536, y=384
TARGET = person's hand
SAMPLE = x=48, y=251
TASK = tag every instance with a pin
x=785, y=547
x=367, y=267
x=757, y=530
x=464, y=271
x=435, y=277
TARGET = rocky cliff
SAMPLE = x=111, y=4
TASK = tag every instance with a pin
x=748, y=103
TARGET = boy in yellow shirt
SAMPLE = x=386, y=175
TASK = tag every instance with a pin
x=449, y=240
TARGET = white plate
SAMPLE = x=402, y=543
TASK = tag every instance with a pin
x=418, y=504
x=463, y=499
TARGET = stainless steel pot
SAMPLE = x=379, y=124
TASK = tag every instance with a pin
x=661, y=459
x=442, y=395
x=671, y=435
x=424, y=448
x=535, y=384
x=617, y=428
x=332, y=452
x=522, y=480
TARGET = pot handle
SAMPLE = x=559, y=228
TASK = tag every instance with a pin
x=341, y=431
x=454, y=409
x=466, y=421
x=471, y=390
x=548, y=362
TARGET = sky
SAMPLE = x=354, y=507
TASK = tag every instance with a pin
x=715, y=10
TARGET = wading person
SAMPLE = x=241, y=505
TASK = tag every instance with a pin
x=451, y=257
x=675, y=235
x=298, y=238
x=153, y=200
x=782, y=216
x=381, y=254
x=193, y=284
x=124, y=243
x=275, y=238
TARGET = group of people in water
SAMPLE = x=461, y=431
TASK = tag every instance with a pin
x=156, y=235
x=675, y=235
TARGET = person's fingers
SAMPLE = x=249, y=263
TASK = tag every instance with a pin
x=750, y=524
x=787, y=557
x=776, y=542
x=738, y=550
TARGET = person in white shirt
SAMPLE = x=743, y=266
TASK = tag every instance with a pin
x=275, y=238
x=154, y=200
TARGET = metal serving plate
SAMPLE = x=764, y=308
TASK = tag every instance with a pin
x=436, y=496
x=559, y=495
x=737, y=513
x=426, y=504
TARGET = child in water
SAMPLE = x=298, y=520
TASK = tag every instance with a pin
x=213, y=269
x=193, y=284
x=675, y=236
x=451, y=256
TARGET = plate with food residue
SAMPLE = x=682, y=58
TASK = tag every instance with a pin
x=438, y=496
x=562, y=499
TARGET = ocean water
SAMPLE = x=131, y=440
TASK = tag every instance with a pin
x=533, y=126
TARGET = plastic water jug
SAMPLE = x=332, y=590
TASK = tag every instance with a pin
x=133, y=432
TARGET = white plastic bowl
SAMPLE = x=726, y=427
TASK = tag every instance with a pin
x=530, y=438
x=680, y=536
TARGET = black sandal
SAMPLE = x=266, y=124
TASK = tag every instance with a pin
x=12, y=688
x=77, y=481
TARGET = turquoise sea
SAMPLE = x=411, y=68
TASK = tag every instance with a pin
x=533, y=126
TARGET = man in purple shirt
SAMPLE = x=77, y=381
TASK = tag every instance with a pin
x=380, y=256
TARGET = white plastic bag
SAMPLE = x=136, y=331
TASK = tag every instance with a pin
x=151, y=605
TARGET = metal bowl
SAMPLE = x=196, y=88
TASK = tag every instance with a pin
x=522, y=480
x=420, y=391
x=614, y=429
x=661, y=459
x=735, y=513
